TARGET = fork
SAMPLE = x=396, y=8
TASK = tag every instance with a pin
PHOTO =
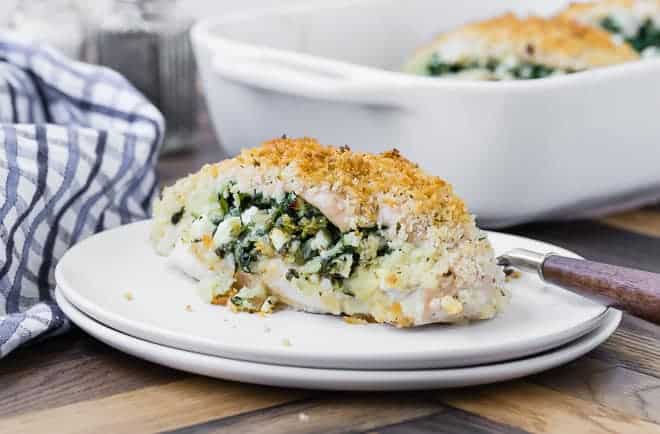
x=634, y=291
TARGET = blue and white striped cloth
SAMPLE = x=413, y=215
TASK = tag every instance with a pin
x=78, y=146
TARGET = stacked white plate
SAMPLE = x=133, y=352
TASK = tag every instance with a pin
x=117, y=289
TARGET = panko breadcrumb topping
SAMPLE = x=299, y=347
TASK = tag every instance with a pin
x=366, y=179
x=634, y=21
x=562, y=37
x=575, y=9
x=556, y=42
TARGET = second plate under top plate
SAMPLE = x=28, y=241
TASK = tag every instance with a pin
x=164, y=307
x=340, y=379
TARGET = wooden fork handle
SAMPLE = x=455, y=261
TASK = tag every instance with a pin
x=635, y=291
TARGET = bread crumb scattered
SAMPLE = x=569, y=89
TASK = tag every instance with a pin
x=269, y=305
x=511, y=274
x=355, y=320
x=128, y=295
x=302, y=417
x=286, y=342
x=189, y=308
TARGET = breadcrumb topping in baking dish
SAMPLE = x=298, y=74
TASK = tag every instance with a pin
x=510, y=47
x=633, y=22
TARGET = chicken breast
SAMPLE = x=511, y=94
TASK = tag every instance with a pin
x=512, y=48
x=328, y=230
x=636, y=22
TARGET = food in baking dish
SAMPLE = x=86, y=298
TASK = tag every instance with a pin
x=636, y=22
x=328, y=230
x=513, y=48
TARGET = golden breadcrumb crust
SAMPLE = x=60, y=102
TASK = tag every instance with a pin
x=577, y=8
x=366, y=181
x=553, y=42
x=564, y=37
x=362, y=177
x=576, y=11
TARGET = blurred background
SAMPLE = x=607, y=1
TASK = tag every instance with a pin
x=147, y=41
x=306, y=73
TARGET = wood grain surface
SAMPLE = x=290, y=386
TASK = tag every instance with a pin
x=73, y=383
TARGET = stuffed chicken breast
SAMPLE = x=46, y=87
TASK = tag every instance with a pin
x=512, y=48
x=328, y=230
x=636, y=22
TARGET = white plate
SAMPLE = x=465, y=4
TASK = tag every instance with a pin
x=339, y=379
x=96, y=274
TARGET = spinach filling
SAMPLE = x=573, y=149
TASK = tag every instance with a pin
x=521, y=71
x=648, y=34
x=295, y=230
x=176, y=217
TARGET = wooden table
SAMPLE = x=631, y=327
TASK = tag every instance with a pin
x=73, y=383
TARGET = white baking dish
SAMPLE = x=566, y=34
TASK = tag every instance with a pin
x=516, y=151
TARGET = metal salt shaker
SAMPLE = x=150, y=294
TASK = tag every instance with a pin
x=147, y=41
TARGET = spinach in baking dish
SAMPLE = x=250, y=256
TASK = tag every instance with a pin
x=296, y=231
x=532, y=71
x=519, y=71
x=437, y=67
x=609, y=24
x=647, y=35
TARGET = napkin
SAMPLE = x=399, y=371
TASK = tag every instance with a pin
x=78, y=147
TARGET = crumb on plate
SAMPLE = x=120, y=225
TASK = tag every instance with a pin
x=511, y=273
x=355, y=320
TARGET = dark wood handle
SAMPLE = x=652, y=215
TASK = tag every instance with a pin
x=635, y=291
